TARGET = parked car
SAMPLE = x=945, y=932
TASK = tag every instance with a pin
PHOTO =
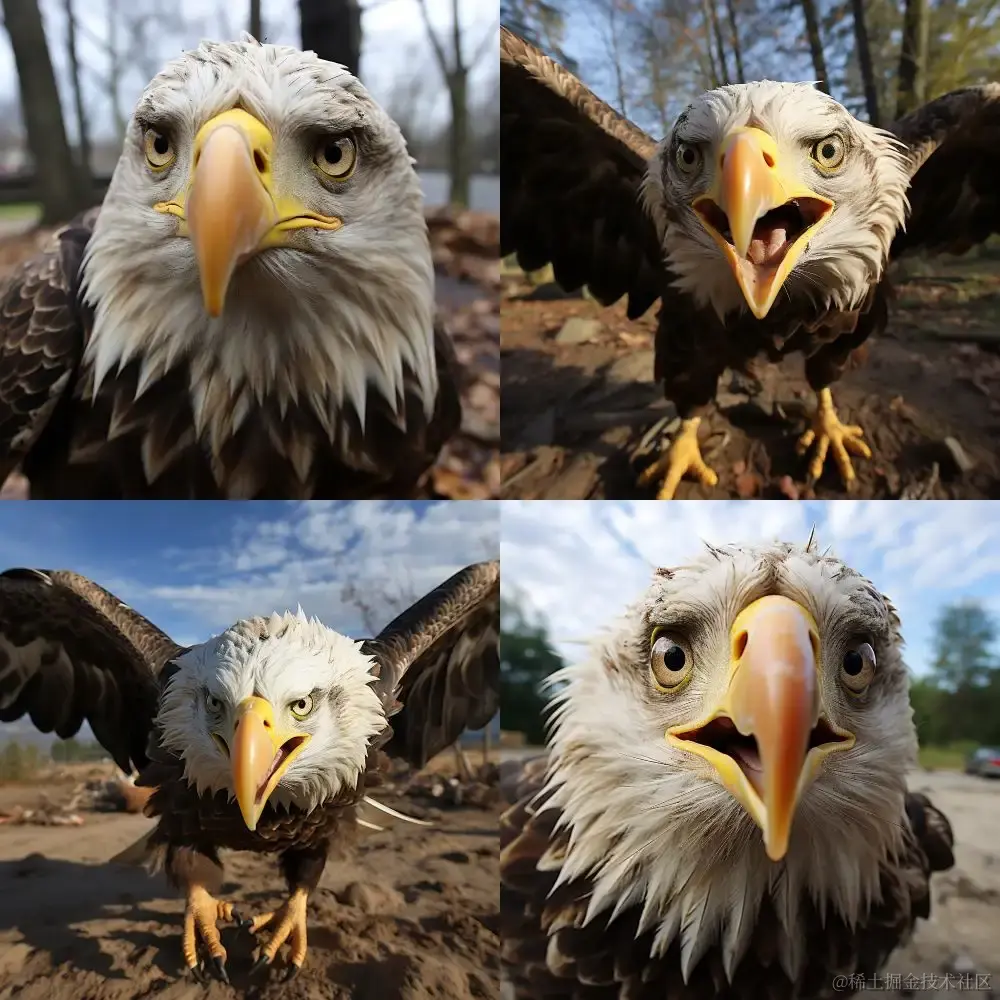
x=985, y=762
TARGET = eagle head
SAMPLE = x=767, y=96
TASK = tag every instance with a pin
x=744, y=732
x=277, y=709
x=767, y=186
x=265, y=224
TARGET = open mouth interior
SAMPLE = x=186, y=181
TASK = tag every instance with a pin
x=775, y=232
x=287, y=749
x=722, y=735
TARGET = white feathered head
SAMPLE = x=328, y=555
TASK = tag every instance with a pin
x=744, y=731
x=277, y=709
x=763, y=187
x=264, y=223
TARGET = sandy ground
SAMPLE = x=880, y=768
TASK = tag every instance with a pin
x=412, y=916
x=582, y=415
x=963, y=932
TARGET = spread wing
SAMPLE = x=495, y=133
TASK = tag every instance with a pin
x=41, y=339
x=569, y=182
x=954, y=149
x=439, y=664
x=71, y=651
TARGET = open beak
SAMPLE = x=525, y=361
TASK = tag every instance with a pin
x=769, y=735
x=261, y=754
x=229, y=206
x=759, y=214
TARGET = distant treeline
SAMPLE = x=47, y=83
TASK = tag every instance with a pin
x=20, y=761
x=957, y=702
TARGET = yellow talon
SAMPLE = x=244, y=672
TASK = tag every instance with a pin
x=827, y=431
x=683, y=456
x=289, y=922
x=201, y=916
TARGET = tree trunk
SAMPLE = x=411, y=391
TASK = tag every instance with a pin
x=716, y=75
x=719, y=45
x=458, y=139
x=58, y=180
x=912, y=90
x=865, y=60
x=816, y=45
x=735, y=36
x=332, y=29
x=256, y=25
x=83, y=133
x=115, y=70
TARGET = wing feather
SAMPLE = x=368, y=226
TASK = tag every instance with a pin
x=954, y=153
x=41, y=339
x=71, y=651
x=439, y=664
x=569, y=182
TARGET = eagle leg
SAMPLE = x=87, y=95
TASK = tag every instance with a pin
x=289, y=922
x=683, y=456
x=201, y=916
x=827, y=431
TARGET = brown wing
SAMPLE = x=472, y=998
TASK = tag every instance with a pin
x=439, y=664
x=954, y=144
x=71, y=651
x=41, y=339
x=569, y=182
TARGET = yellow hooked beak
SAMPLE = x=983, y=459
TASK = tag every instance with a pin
x=261, y=754
x=749, y=183
x=229, y=206
x=768, y=735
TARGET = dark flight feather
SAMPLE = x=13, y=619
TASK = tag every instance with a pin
x=117, y=446
x=550, y=954
x=570, y=181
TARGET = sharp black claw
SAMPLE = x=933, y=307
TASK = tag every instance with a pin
x=197, y=973
x=242, y=922
x=262, y=963
x=291, y=972
x=219, y=968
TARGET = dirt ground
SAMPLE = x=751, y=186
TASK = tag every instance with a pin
x=580, y=418
x=466, y=248
x=962, y=935
x=412, y=915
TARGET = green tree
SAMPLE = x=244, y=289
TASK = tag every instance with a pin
x=526, y=659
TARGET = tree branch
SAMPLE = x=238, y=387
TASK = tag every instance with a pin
x=439, y=52
x=484, y=45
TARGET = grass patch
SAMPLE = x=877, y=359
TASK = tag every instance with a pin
x=23, y=210
x=945, y=758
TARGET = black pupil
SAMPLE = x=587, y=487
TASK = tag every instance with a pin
x=854, y=662
x=829, y=151
x=674, y=658
x=333, y=153
x=688, y=156
x=162, y=145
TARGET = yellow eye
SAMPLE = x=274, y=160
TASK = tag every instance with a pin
x=858, y=668
x=302, y=708
x=213, y=704
x=336, y=157
x=669, y=664
x=829, y=153
x=159, y=149
x=687, y=158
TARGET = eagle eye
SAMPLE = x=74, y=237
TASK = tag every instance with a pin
x=302, y=708
x=687, y=156
x=668, y=662
x=829, y=152
x=213, y=704
x=336, y=156
x=858, y=668
x=159, y=149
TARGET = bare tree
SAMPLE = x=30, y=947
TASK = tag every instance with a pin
x=256, y=25
x=735, y=38
x=816, y=45
x=455, y=68
x=83, y=132
x=912, y=87
x=720, y=48
x=332, y=29
x=60, y=185
x=865, y=60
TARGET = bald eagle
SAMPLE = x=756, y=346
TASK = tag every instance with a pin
x=723, y=809
x=249, y=313
x=265, y=738
x=762, y=224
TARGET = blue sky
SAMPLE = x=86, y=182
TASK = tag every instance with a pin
x=193, y=568
x=580, y=563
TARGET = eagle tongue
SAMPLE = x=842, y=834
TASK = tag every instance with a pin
x=768, y=243
x=749, y=760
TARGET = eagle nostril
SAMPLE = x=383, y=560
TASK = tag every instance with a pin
x=768, y=159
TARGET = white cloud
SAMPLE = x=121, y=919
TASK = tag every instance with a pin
x=580, y=563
